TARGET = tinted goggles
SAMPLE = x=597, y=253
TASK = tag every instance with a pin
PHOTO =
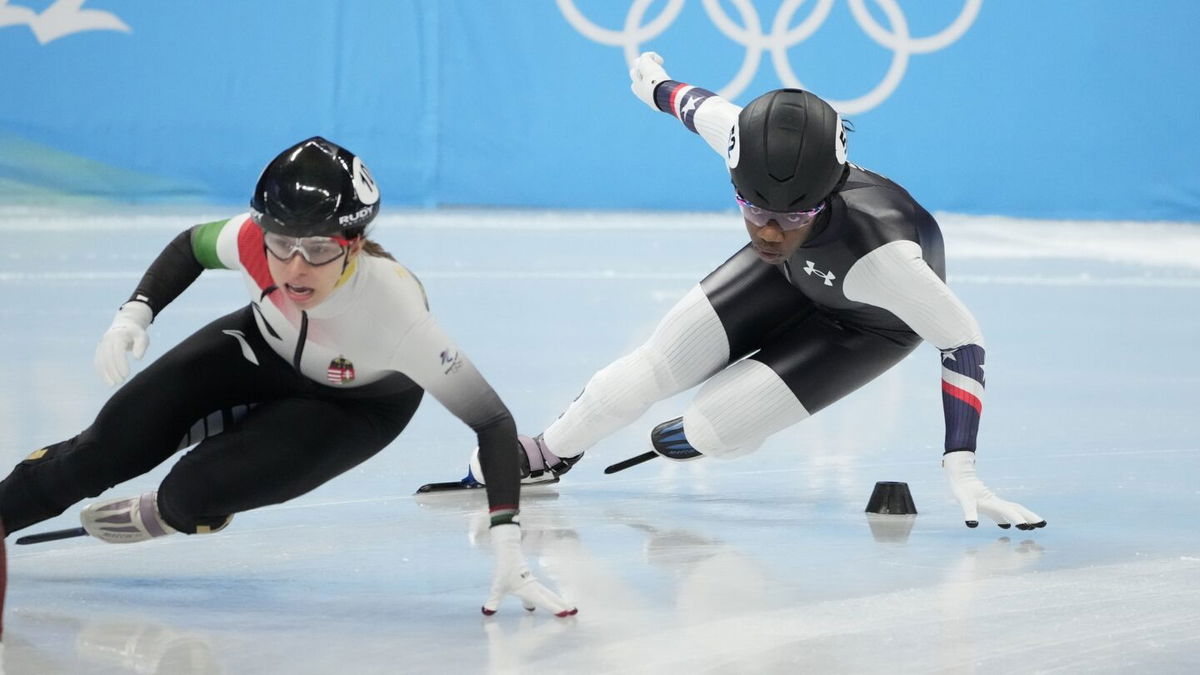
x=794, y=220
x=315, y=250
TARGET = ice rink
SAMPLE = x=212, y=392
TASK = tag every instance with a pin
x=765, y=564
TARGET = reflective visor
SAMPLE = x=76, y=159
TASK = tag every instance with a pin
x=794, y=220
x=315, y=250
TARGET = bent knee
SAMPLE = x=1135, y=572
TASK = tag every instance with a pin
x=707, y=438
x=736, y=410
x=184, y=503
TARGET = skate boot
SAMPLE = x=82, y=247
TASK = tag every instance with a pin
x=126, y=520
x=538, y=465
x=669, y=441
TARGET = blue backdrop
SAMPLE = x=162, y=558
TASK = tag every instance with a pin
x=1072, y=108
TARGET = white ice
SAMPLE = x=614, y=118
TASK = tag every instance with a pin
x=766, y=564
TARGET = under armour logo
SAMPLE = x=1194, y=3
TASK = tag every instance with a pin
x=810, y=270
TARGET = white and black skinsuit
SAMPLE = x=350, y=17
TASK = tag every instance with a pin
x=287, y=398
x=858, y=295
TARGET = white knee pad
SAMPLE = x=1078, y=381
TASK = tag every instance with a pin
x=738, y=408
x=688, y=345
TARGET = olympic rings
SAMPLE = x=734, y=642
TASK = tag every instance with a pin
x=750, y=34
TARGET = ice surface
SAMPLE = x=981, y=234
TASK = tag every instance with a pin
x=765, y=564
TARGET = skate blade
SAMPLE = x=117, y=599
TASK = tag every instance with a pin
x=451, y=486
x=463, y=486
x=53, y=535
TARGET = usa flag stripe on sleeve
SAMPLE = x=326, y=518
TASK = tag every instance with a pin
x=963, y=388
x=677, y=95
x=962, y=395
x=664, y=95
x=689, y=101
x=681, y=100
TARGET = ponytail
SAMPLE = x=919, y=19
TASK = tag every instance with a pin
x=372, y=248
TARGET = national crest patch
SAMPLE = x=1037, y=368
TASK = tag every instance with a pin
x=340, y=371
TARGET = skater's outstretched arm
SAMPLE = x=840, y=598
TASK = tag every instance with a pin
x=179, y=264
x=434, y=361
x=700, y=110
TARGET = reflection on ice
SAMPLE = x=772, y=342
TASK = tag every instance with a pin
x=890, y=528
x=110, y=644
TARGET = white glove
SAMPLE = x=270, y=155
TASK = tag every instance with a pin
x=126, y=334
x=512, y=575
x=646, y=73
x=974, y=496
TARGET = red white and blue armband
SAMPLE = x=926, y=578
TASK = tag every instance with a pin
x=962, y=395
x=681, y=100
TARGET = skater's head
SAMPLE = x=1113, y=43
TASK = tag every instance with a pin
x=787, y=154
x=315, y=188
x=313, y=202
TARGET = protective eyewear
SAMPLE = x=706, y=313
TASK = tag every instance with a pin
x=315, y=250
x=794, y=220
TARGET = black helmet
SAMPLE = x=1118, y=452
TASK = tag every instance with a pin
x=788, y=151
x=315, y=188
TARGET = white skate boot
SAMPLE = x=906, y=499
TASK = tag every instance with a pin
x=126, y=520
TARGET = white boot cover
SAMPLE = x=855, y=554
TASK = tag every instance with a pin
x=126, y=520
